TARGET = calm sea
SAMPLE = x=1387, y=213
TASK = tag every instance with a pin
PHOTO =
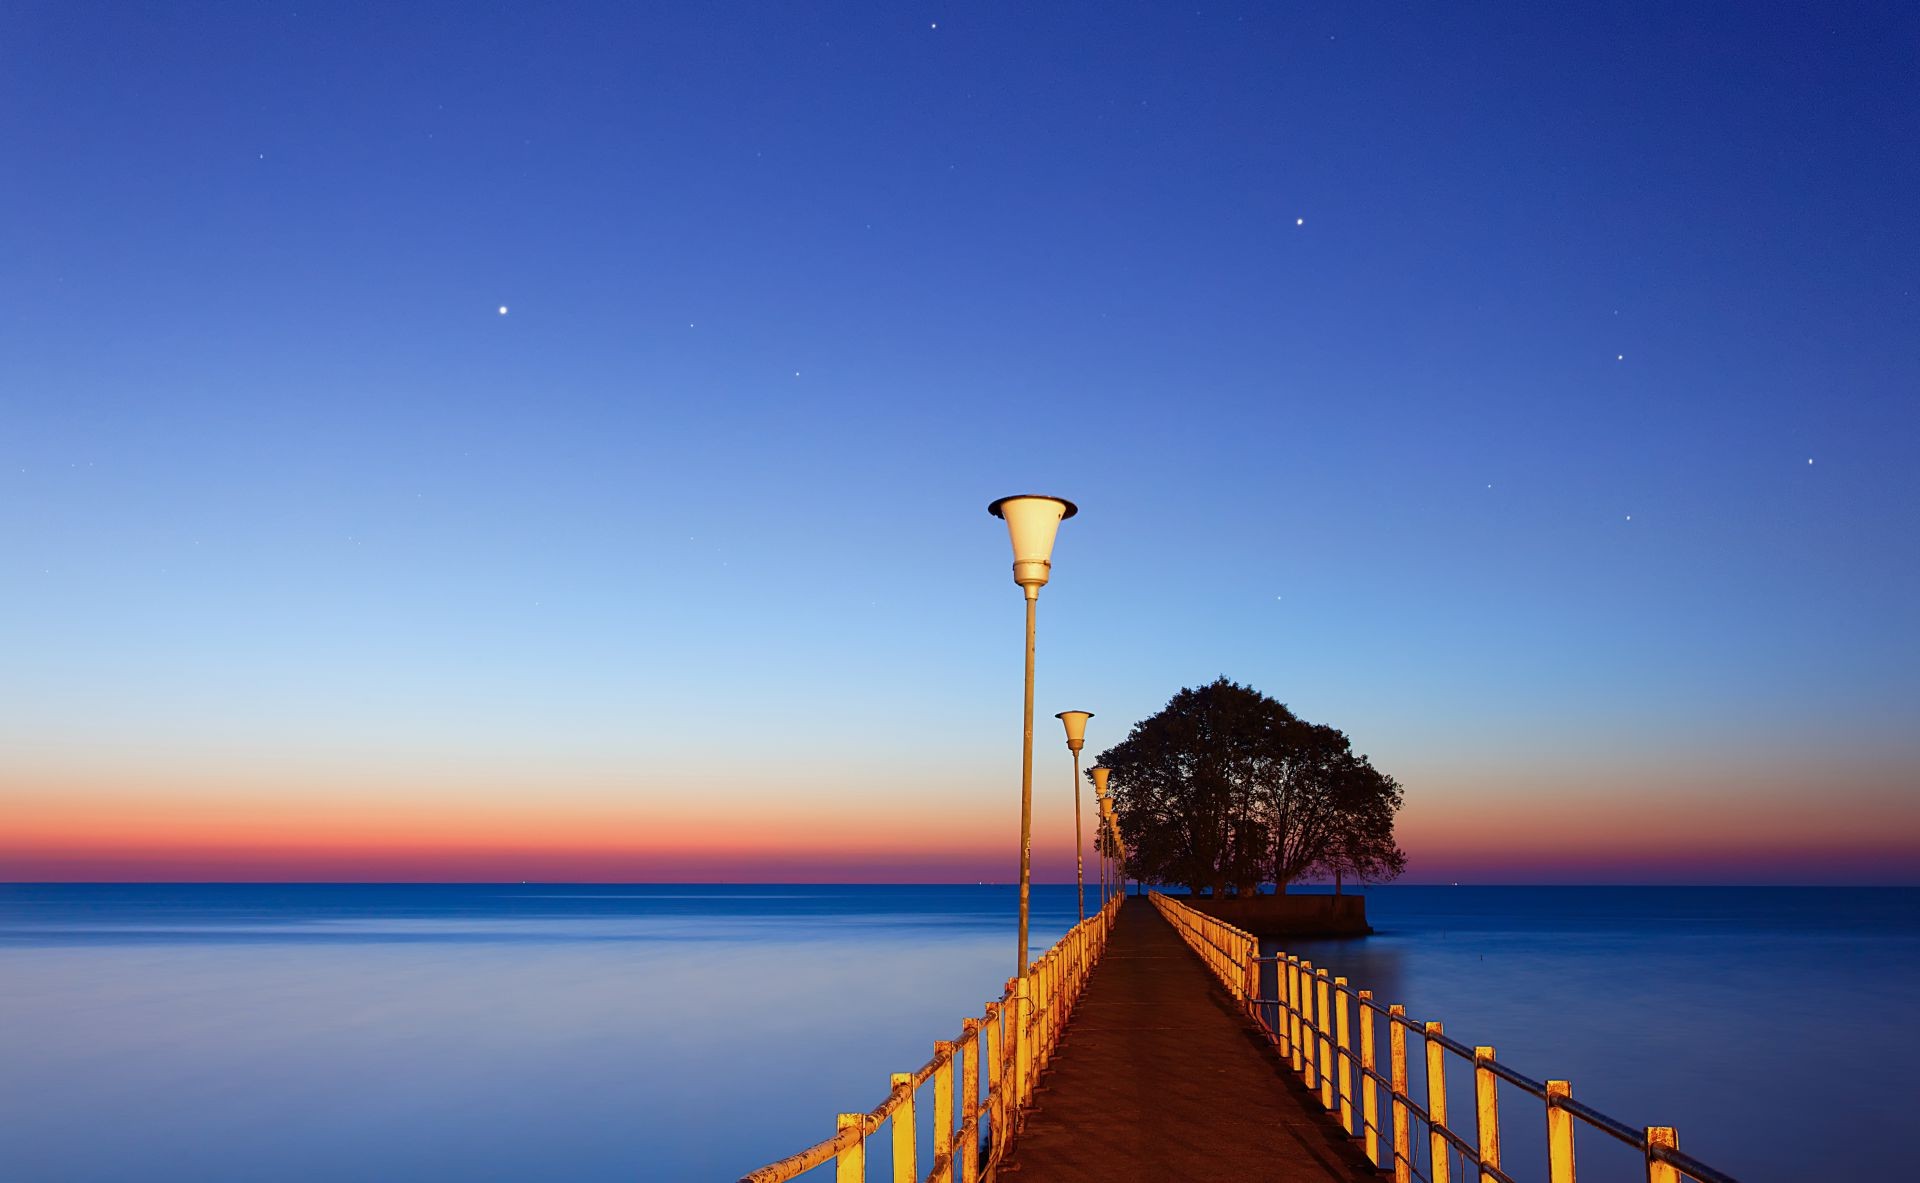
x=692, y=1032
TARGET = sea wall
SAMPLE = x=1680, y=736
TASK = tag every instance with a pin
x=1281, y=916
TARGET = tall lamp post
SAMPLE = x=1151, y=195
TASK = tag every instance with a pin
x=1076, y=722
x=1032, y=522
x=1099, y=790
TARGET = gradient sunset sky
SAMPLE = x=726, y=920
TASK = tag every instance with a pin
x=519, y=442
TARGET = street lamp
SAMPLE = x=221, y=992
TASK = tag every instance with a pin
x=1100, y=772
x=1076, y=722
x=1032, y=523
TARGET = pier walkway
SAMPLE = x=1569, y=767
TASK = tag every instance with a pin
x=1154, y=1044
x=1161, y=1077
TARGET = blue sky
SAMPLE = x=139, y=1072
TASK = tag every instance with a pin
x=1450, y=374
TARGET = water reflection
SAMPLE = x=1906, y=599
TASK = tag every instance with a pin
x=473, y=1033
x=309, y=1033
x=1695, y=1008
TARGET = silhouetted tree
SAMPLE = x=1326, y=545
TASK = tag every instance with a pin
x=1359, y=841
x=1226, y=786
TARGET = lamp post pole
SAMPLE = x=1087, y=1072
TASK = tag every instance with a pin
x=1026, y=786
x=1100, y=848
x=1076, y=724
x=1032, y=523
x=1099, y=774
x=1114, y=851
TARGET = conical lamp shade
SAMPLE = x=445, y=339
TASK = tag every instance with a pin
x=1076, y=722
x=1100, y=774
x=1032, y=522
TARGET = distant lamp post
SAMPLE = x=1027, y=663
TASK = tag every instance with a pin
x=1032, y=522
x=1076, y=722
x=1100, y=773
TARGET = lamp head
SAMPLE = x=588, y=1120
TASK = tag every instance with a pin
x=1076, y=722
x=1032, y=521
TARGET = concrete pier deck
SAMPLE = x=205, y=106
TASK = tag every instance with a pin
x=1161, y=1080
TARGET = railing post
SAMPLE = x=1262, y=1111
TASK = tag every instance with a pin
x=1308, y=1072
x=1343, y=1055
x=996, y=1074
x=1043, y=1012
x=905, y=1144
x=966, y=1147
x=1559, y=1133
x=967, y=1151
x=1402, y=1130
x=1042, y=986
x=1023, y=1024
x=1486, y=1117
x=1282, y=1004
x=1369, y=1091
x=850, y=1165
x=1251, y=966
x=1438, y=1169
x=1294, y=1003
x=943, y=1053
x=970, y=1071
x=1057, y=990
x=1321, y=1015
x=1661, y=1137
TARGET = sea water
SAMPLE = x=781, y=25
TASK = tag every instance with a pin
x=322, y=1032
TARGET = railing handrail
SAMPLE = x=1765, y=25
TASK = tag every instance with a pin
x=1323, y=1055
x=1019, y=1031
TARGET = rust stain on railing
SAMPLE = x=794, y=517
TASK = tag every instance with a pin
x=1004, y=1051
x=1309, y=1024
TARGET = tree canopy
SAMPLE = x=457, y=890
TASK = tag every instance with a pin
x=1226, y=787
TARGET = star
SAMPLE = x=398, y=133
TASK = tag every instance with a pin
x=503, y=310
x=1809, y=460
x=1299, y=221
x=1629, y=517
x=1619, y=357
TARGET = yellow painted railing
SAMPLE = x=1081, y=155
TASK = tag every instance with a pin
x=1327, y=1032
x=996, y=1061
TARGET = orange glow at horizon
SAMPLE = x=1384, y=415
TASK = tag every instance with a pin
x=318, y=824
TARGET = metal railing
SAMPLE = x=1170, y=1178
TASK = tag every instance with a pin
x=1311, y=1022
x=997, y=1059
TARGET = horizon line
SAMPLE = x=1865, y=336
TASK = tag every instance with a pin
x=1348, y=890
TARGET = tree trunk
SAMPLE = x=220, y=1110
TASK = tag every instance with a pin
x=1336, y=881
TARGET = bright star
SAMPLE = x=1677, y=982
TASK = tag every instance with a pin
x=1299, y=221
x=503, y=310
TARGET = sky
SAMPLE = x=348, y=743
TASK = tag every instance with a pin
x=499, y=442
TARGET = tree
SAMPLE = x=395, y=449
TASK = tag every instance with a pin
x=1360, y=839
x=1226, y=786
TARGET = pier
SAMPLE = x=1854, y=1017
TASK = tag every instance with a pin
x=1162, y=1078
x=1156, y=1043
